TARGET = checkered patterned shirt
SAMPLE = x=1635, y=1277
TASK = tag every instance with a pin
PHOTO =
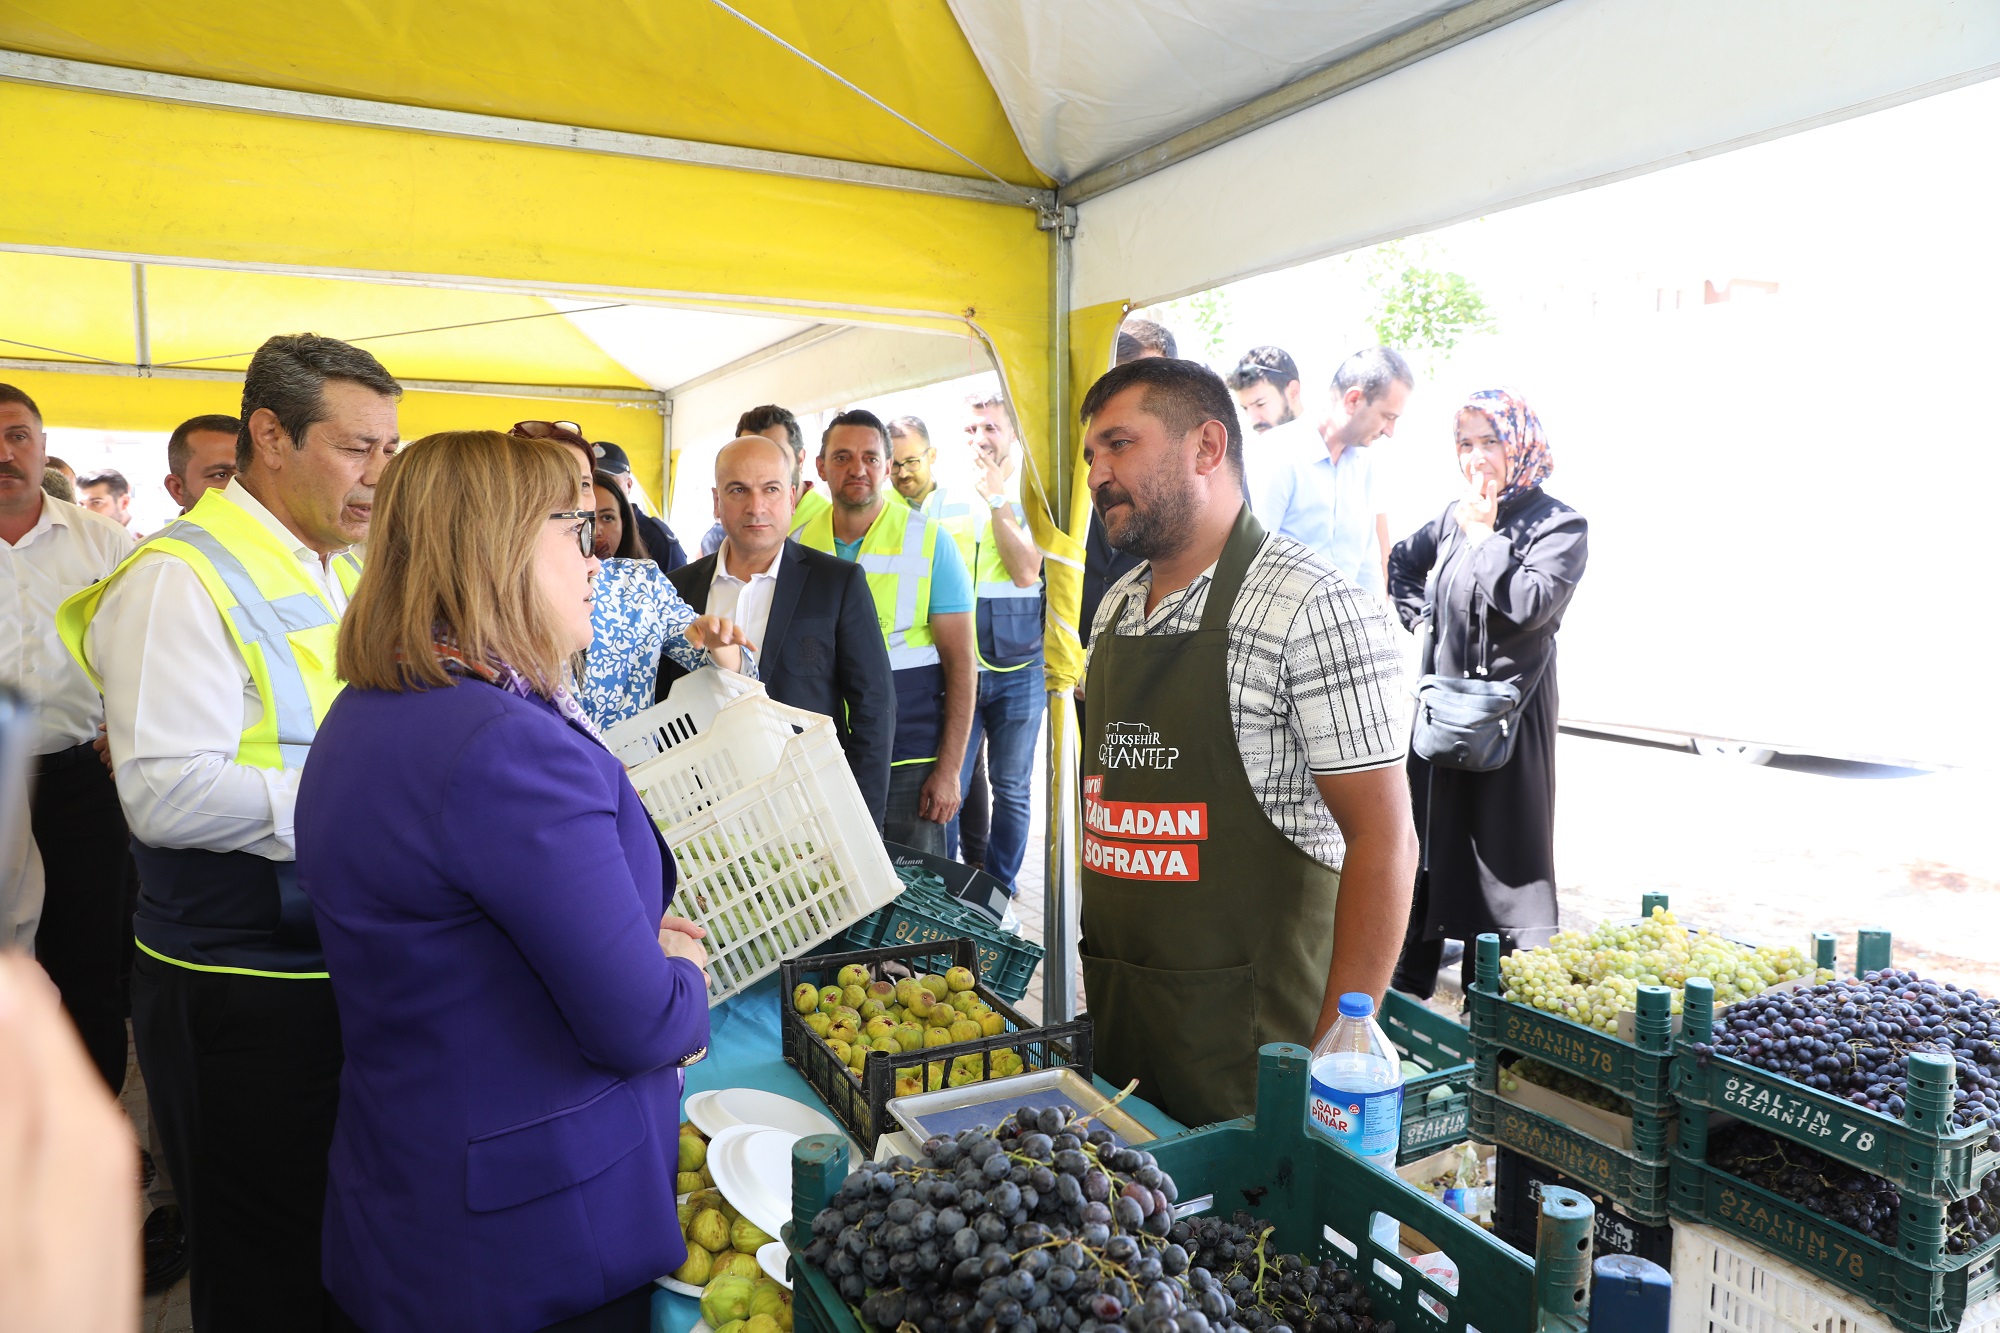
x=1315, y=679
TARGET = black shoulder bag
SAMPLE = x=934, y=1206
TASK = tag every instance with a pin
x=1465, y=722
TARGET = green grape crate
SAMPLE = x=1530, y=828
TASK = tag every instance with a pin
x=1325, y=1202
x=1007, y=963
x=1640, y=1071
x=1444, y=1049
x=1921, y=1153
x=1635, y=1182
x=1921, y=1291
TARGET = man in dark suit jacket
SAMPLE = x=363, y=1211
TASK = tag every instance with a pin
x=809, y=614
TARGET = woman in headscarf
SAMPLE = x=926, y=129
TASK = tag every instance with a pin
x=1493, y=573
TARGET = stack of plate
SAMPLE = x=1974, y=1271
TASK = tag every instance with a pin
x=751, y=1134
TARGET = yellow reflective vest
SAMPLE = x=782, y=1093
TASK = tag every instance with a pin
x=896, y=556
x=281, y=622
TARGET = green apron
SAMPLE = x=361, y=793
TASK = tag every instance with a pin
x=1206, y=931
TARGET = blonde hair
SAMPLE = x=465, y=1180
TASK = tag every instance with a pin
x=458, y=519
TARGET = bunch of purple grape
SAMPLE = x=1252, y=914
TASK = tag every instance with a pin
x=1845, y=1194
x=1046, y=1224
x=1854, y=1039
x=1277, y=1293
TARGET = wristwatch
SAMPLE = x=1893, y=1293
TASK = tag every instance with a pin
x=996, y=501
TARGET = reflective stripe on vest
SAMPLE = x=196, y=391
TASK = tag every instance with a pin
x=271, y=628
x=897, y=559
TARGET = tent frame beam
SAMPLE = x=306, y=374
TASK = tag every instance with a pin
x=1383, y=58
x=150, y=85
x=571, y=392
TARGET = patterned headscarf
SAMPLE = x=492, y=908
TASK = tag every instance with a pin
x=1529, y=461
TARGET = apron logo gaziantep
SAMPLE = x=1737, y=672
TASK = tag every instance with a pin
x=1134, y=745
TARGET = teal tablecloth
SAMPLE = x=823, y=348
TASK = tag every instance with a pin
x=744, y=1051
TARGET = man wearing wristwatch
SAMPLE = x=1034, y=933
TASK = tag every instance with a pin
x=1007, y=578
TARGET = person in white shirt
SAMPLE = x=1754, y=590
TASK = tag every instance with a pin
x=1321, y=494
x=201, y=457
x=819, y=646
x=1371, y=390
x=214, y=647
x=54, y=549
x=107, y=492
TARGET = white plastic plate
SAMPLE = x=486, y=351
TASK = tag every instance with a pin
x=752, y=1166
x=719, y=1109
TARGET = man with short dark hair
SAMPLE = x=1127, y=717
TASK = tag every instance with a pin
x=106, y=492
x=64, y=468
x=214, y=648
x=923, y=602
x=913, y=464
x=201, y=457
x=1139, y=338
x=810, y=614
x=654, y=534
x=1248, y=853
x=1371, y=389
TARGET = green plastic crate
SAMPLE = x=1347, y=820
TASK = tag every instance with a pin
x=1444, y=1048
x=1921, y=1153
x=1918, y=1293
x=1325, y=1203
x=1637, y=1182
x=1007, y=963
x=1639, y=1071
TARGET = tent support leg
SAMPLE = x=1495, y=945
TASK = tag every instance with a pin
x=1061, y=890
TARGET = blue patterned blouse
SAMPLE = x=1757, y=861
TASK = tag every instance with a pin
x=636, y=615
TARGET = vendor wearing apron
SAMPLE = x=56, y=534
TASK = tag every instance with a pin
x=1242, y=759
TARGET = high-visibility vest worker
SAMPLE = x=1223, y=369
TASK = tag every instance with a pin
x=236, y=911
x=811, y=505
x=896, y=554
x=1008, y=617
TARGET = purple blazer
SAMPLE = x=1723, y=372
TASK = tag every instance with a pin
x=489, y=890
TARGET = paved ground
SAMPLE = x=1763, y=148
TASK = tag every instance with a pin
x=167, y=1312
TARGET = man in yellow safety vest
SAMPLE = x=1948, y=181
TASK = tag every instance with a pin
x=923, y=601
x=214, y=647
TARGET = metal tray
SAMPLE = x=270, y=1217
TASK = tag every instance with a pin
x=924, y=1114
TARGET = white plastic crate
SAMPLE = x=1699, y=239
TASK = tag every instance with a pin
x=1724, y=1285
x=775, y=848
x=686, y=712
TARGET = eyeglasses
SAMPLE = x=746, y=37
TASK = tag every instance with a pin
x=906, y=464
x=562, y=432
x=586, y=531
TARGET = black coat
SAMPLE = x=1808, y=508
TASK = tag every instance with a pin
x=662, y=547
x=822, y=651
x=1489, y=838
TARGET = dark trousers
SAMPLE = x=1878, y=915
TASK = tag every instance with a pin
x=86, y=929
x=900, y=821
x=244, y=1074
x=630, y=1313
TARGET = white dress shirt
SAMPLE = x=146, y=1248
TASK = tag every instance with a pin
x=178, y=696
x=745, y=601
x=67, y=550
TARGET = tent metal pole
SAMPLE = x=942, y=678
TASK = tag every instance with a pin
x=142, y=337
x=152, y=85
x=1060, y=887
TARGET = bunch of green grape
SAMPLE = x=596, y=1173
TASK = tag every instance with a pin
x=1590, y=978
x=1526, y=1070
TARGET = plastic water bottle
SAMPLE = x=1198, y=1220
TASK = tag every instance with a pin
x=1356, y=1097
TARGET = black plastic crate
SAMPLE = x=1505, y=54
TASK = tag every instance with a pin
x=863, y=1105
x=1518, y=1182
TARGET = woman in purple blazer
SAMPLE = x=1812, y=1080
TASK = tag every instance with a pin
x=491, y=893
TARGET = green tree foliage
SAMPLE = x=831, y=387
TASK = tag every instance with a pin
x=1206, y=312
x=1423, y=308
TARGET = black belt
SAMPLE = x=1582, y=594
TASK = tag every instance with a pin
x=59, y=760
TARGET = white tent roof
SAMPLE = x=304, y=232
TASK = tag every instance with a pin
x=1086, y=84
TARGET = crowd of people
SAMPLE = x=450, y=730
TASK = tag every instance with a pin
x=322, y=801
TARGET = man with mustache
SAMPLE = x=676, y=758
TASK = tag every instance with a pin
x=214, y=647
x=53, y=549
x=1248, y=853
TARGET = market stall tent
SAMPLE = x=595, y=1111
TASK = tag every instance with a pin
x=881, y=181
